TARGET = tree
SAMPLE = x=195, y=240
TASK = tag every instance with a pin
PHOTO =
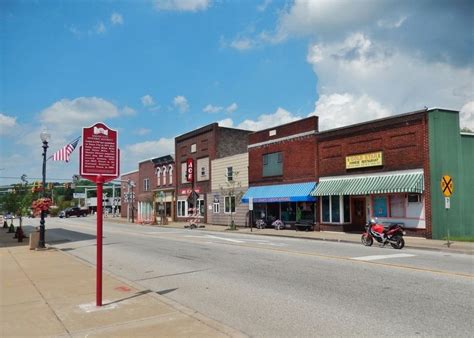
x=234, y=194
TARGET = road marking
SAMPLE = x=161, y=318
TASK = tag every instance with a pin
x=377, y=257
x=225, y=239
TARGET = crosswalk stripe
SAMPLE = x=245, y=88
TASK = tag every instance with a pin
x=376, y=257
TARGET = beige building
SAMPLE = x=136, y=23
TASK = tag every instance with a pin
x=228, y=184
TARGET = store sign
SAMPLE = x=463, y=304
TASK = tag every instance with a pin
x=189, y=170
x=183, y=192
x=364, y=160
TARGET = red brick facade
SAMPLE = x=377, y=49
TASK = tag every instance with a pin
x=401, y=141
x=297, y=143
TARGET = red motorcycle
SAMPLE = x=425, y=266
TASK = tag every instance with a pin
x=393, y=234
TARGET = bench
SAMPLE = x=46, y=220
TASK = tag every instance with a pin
x=306, y=226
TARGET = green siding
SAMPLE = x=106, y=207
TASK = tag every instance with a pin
x=451, y=154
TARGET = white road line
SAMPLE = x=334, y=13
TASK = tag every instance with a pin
x=225, y=239
x=376, y=257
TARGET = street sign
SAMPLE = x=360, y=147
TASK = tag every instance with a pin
x=99, y=154
x=447, y=202
x=250, y=203
x=79, y=195
x=193, y=196
x=447, y=185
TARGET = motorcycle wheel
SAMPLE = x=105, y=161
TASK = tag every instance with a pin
x=399, y=242
x=366, y=240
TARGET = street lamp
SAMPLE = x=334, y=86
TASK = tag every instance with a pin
x=44, y=138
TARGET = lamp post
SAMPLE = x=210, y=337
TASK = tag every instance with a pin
x=44, y=138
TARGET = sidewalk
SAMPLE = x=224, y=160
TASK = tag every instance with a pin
x=410, y=242
x=50, y=293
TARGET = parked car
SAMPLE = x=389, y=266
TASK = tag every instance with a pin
x=74, y=211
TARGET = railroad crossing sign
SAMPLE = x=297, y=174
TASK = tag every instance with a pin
x=447, y=185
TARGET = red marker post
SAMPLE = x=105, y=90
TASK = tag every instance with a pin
x=99, y=162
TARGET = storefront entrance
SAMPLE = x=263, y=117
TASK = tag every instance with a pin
x=358, y=215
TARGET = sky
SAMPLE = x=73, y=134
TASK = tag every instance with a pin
x=153, y=70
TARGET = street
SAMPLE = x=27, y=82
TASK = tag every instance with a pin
x=281, y=287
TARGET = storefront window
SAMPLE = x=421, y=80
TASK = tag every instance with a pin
x=229, y=204
x=380, y=206
x=288, y=212
x=325, y=207
x=200, y=206
x=397, y=206
x=182, y=207
x=273, y=210
x=335, y=210
x=347, y=209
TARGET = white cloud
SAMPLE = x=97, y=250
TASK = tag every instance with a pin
x=467, y=115
x=7, y=123
x=392, y=23
x=147, y=100
x=181, y=103
x=367, y=79
x=242, y=44
x=232, y=108
x=338, y=110
x=212, y=109
x=127, y=111
x=281, y=116
x=100, y=28
x=182, y=5
x=116, y=19
x=263, y=6
x=142, y=131
x=137, y=152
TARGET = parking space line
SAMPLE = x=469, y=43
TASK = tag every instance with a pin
x=377, y=257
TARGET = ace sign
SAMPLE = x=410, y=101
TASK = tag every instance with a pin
x=99, y=154
x=190, y=170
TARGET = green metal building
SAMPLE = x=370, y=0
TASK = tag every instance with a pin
x=451, y=153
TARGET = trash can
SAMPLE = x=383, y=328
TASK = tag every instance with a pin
x=34, y=239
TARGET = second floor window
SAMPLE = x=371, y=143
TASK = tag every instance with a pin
x=230, y=174
x=170, y=170
x=273, y=164
x=164, y=175
x=146, y=184
x=158, y=176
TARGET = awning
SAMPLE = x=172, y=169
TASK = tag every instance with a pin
x=296, y=192
x=410, y=181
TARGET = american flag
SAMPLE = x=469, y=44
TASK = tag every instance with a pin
x=64, y=153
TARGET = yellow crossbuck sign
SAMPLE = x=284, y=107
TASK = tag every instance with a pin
x=447, y=185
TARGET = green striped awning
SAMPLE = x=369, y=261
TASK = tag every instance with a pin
x=387, y=183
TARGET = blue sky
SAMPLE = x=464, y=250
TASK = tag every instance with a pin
x=157, y=69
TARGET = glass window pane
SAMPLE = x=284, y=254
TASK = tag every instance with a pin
x=397, y=205
x=380, y=206
x=335, y=212
x=347, y=209
x=325, y=207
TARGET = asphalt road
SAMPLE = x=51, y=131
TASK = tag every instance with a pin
x=284, y=287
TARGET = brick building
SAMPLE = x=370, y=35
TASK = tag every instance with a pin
x=282, y=172
x=375, y=169
x=202, y=146
x=128, y=198
x=164, y=188
x=145, y=195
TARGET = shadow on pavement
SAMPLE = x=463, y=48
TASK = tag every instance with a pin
x=59, y=236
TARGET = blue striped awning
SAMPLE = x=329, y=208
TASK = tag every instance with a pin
x=296, y=192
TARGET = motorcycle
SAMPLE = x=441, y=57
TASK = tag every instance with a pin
x=393, y=234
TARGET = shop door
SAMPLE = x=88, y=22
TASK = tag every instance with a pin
x=358, y=213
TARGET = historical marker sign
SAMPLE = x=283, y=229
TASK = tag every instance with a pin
x=99, y=153
x=99, y=162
